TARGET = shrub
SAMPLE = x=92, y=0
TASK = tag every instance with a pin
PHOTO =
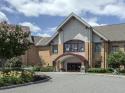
x=109, y=70
x=122, y=71
x=116, y=59
x=96, y=70
x=47, y=69
x=14, y=62
x=36, y=68
x=43, y=69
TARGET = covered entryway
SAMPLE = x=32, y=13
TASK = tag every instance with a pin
x=73, y=67
x=69, y=62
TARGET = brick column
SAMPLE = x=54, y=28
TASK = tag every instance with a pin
x=104, y=54
x=60, y=49
x=88, y=53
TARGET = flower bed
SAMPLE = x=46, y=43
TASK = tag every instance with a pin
x=8, y=78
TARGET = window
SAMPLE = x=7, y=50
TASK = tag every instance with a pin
x=74, y=46
x=115, y=49
x=54, y=49
x=97, y=47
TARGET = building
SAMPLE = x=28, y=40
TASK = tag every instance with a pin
x=76, y=43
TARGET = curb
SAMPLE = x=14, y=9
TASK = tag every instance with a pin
x=26, y=84
x=109, y=75
x=80, y=73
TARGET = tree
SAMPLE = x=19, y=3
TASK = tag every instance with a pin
x=116, y=59
x=13, y=42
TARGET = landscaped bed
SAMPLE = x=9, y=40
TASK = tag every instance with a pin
x=21, y=77
x=106, y=71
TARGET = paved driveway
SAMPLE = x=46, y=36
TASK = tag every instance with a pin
x=74, y=83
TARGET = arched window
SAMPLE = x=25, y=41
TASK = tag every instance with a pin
x=74, y=46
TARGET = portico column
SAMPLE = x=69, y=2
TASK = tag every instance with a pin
x=57, y=66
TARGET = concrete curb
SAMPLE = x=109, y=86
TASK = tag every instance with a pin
x=80, y=73
x=26, y=84
x=109, y=75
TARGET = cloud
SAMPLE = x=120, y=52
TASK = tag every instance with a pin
x=43, y=35
x=51, y=29
x=64, y=7
x=3, y=17
x=33, y=27
x=93, y=22
x=8, y=9
x=37, y=31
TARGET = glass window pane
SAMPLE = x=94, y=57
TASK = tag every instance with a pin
x=74, y=46
x=54, y=49
x=97, y=47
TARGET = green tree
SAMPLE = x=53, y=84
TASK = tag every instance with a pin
x=116, y=59
x=13, y=42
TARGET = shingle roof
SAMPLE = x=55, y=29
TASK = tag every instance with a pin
x=114, y=32
x=40, y=41
x=36, y=39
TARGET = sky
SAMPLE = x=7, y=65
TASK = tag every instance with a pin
x=43, y=16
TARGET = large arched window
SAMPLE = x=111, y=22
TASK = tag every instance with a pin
x=74, y=46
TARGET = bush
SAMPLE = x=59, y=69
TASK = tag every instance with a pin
x=36, y=68
x=96, y=70
x=43, y=69
x=116, y=59
x=47, y=69
x=109, y=70
x=14, y=62
x=122, y=71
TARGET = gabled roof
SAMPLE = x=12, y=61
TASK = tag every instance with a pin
x=78, y=18
x=114, y=32
x=40, y=41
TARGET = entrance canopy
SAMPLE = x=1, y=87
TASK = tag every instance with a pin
x=70, y=62
x=66, y=55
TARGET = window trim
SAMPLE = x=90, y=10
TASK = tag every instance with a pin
x=71, y=45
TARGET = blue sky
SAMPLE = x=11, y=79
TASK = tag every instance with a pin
x=43, y=16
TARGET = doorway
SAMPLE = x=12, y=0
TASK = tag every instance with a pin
x=73, y=67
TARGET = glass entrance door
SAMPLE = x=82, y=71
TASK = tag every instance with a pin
x=73, y=67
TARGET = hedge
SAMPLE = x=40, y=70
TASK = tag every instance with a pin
x=43, y=69
x=100, y=70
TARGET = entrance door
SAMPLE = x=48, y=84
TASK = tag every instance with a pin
x=73, y=67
